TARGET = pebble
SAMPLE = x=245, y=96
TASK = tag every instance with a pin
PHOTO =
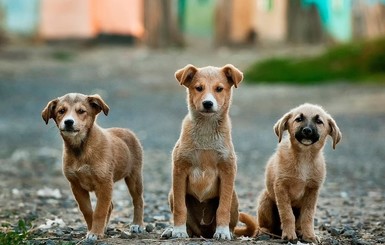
x=149, y=228
x=349, y=233
x=161, y=225
x=263, y=237
x=330, y=241
x=334, y=231
x=359, y=242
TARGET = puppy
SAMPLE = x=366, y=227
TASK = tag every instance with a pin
x=295, y=173
x=202, y=199
x=94, y=158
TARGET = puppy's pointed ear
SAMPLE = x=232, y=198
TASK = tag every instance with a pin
x=335, y=132
x=186, y=75
x=49, y=111
x=281, y=125
x=97, y=102
x=234, y=76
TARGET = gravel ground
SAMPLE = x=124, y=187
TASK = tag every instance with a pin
x=143, y=95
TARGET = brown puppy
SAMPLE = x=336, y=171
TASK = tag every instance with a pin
x=295, y=173
x=202, y=198
x=94, y=158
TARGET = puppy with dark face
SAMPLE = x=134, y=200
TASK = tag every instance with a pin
x=202, y=199
x=295, y=173
x=94, y=158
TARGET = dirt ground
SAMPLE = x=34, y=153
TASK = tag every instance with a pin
x=139, y=87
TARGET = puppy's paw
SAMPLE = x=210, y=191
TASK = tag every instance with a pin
x=175, y=232
x=290, y=236
x=222, y=233
x=136, y=229
x=179, y=232
x=314, y=239
x=91, y=237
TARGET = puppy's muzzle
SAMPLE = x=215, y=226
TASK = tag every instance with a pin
x=69, y=126
x=307, y=135
x=208, y=105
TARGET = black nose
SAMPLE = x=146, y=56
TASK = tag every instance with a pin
x=307, y=131
x=69, y=123
x=207, y=104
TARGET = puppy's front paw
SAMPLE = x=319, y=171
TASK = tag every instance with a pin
x=290, y=236
x=222, y=233
x=136, y=229
x=314, y=239
x=175, y=232
x=179, y=232
x=91, y=237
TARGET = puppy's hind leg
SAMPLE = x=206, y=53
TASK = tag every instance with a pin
x=109, y=212
x=135, y=187
x=268, y=220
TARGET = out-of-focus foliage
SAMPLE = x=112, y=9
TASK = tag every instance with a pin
x=358, y=61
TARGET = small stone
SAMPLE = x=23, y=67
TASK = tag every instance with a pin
x=149, y=228
x=334, y=231
x=50, y=242
x=324, y=227
x=148, y=219
x=124, y=235
x=359, y=242
x=330, y=241
x=263, y=237
x=349, y=233
x=160, y=225
x=67, y=237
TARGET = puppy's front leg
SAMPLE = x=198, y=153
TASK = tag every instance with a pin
x=82, y=197
x=285, y=211
x=179, y=200
x=103, y=205
x=307, y=215
x=227, y=173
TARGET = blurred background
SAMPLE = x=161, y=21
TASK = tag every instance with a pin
x=330, y=53
x=166, y=23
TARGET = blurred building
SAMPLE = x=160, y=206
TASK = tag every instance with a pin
x=160, y=23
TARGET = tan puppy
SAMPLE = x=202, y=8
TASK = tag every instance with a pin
x=202, y=198
x=94, y=158
x=295, y=173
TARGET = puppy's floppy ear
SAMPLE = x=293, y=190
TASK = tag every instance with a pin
x=97, y=102
x=281, y=125
x=335, y=132
x=186, y=75
x=234, y=76
x=49, y=111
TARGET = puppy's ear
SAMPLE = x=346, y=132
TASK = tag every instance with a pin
x=97, y=102
x=49, y=111
x=281, y=125
x=186, y=75
x=234, y=76
x=335, y=132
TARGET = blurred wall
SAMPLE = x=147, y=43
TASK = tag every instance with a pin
x=21, y=17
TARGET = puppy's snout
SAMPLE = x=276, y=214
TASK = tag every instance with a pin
x=69, y=123
x=207, y=104
x=307, y=131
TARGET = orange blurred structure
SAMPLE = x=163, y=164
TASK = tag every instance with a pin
x=61, y=19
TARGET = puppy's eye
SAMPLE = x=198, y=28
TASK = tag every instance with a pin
x=299, y=119
x=81, y=111
x=219, y=89
x=318, y=121
x=61, y=111
x=199, y=88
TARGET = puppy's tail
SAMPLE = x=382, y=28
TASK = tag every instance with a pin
x=251, y=227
